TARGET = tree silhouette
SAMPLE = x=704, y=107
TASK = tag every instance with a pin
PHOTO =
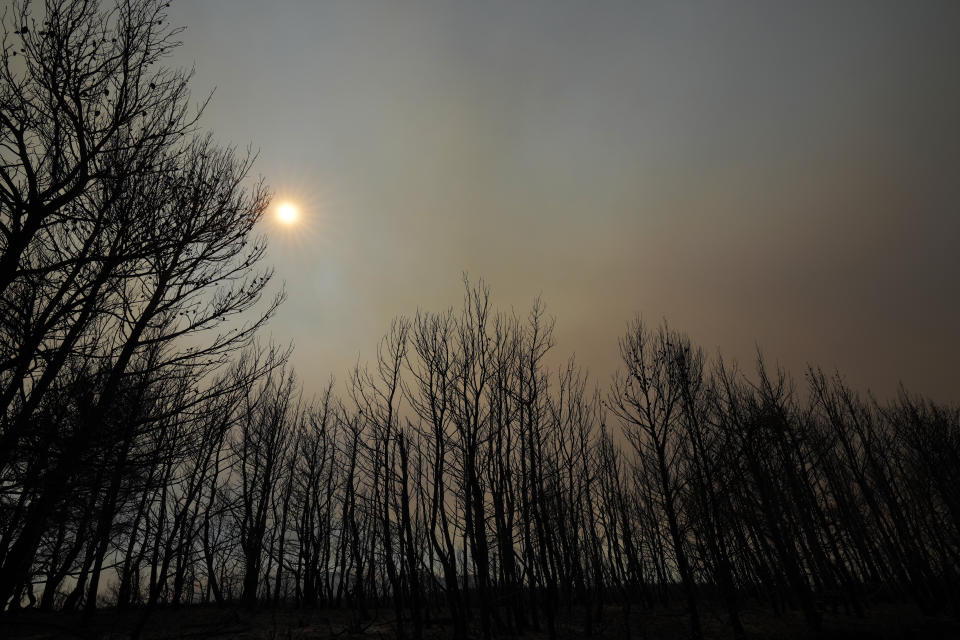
x=126, y=251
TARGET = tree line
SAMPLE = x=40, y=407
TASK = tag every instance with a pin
x=154, y=452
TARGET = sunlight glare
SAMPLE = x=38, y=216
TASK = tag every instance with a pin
x=287, y=213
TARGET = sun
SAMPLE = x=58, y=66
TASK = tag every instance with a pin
x=295, y=218
x=287, y=213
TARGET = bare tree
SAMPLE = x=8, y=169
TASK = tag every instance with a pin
x=126, y=242
x=647, y=398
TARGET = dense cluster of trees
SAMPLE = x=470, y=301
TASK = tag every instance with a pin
x=128, y=276
x=151, y=451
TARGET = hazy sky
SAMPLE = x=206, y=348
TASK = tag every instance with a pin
x=777, y=174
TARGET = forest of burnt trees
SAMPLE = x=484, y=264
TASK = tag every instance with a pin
x=155, y=453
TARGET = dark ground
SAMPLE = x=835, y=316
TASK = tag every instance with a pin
x=882, y=623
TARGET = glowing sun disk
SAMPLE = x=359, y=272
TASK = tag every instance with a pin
x=287, y=213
